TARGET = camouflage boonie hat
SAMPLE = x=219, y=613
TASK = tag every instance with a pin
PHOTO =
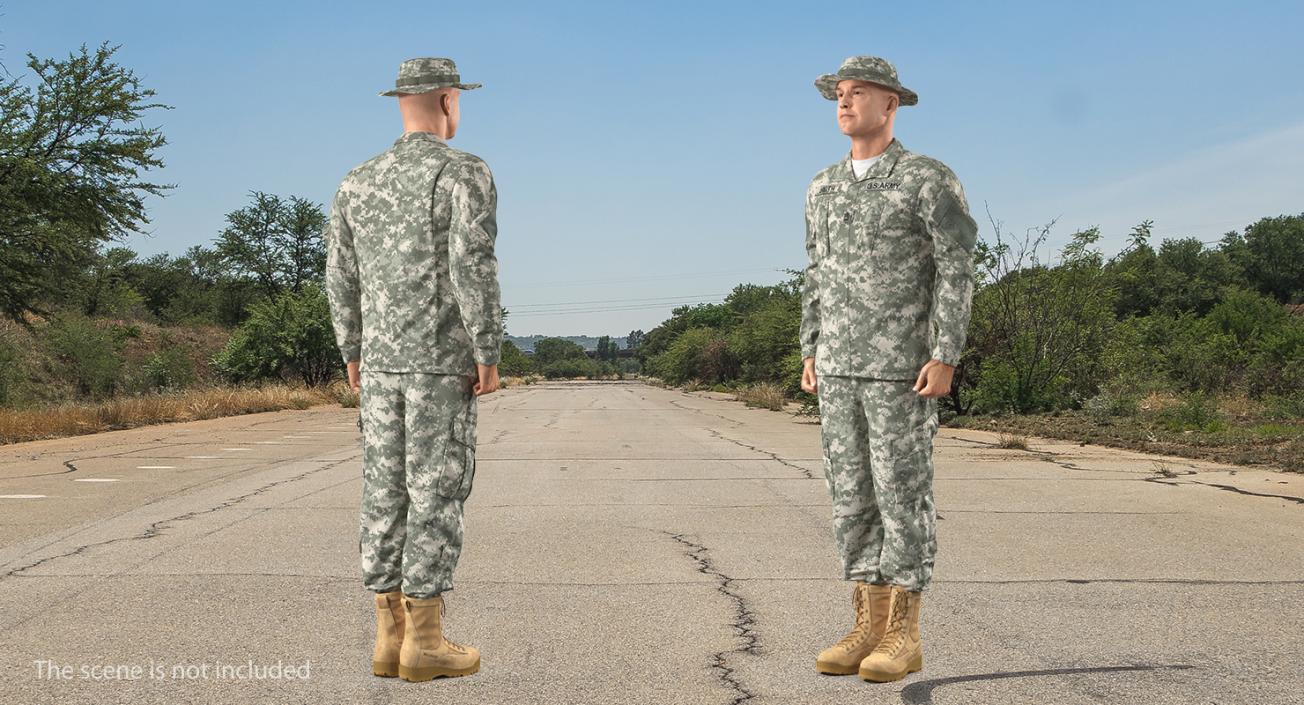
x=866, y=68
x=427, y=74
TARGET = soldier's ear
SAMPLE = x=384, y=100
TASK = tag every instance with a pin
x=446, y=103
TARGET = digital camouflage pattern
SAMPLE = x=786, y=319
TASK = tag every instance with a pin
x=426, y=74
x=411, y=274
x=877, y=437
x=866, y=68
x=889, y=275
x=412, y=281
x=418, y=445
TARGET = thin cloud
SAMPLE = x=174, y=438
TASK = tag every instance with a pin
x=1204, y=195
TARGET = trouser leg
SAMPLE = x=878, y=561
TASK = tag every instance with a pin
x=902, y=426
x=844, y=434
x=383, y=516
x=441, y=414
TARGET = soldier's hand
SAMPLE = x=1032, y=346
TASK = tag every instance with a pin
x=488, y=379
x=809, y=383
x=355, y=378
x=934, y=379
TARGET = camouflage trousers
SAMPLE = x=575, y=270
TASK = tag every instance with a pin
x=418, y=463
x=878, y=462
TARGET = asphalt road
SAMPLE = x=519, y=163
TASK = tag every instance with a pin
x=630, y=544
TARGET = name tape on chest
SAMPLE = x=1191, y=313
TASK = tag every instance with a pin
x=881, y=185
x=871, y=185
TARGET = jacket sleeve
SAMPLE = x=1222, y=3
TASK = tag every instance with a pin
x=810, y=301
x=954, y=234
x=473, y=267
x=343, y=290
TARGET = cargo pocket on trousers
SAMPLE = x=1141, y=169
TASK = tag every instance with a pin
x=459, y=460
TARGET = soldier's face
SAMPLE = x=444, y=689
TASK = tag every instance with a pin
x=863, y=108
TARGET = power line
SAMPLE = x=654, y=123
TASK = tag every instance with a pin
x=654, y=277
x=611, y=301
x=530, y=314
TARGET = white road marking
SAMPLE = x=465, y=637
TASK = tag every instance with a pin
x=273, y=443
x=237, y=449
x=21, y=496
x=96, y=479
x=294, y=436
x=156, y=467
x=204, y=457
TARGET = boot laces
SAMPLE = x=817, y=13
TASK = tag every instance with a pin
x=862, y=629
x=895, y=635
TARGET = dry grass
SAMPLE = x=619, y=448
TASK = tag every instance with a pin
x=525, y=381
x=70, y=419
x=1155, y=401
x=763, y=395
x=1012, y=441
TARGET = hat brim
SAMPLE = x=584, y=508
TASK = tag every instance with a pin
x=427, y=87
x=828, y=87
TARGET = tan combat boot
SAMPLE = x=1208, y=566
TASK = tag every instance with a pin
x=871, y=605
x=389, y=633
x=901, y=650
x=426, y=653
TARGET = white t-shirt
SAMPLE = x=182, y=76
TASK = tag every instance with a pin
x=860, y=166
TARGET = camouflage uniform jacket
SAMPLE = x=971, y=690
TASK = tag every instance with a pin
x=889, y=275
x=411, y=274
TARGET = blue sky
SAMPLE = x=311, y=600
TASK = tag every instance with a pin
x=654, y=153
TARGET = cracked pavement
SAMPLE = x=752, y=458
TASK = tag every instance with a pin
x=631, y=544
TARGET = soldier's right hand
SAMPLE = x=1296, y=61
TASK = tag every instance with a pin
x=809, y=383
x=488, y=379
x=355, y=377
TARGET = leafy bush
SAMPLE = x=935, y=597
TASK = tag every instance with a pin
x=11, y=372
x=570, y=367
x=698, y=354
x=287, y=336
x=1195, y=412
x=169, y=369
x=88, y=355
x=513, y=362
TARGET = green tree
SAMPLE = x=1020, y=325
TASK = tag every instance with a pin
x=71, y=152
x=276, y=243
x=1272, y=256
x=550, y=350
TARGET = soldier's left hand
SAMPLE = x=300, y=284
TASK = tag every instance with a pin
x=934, y=379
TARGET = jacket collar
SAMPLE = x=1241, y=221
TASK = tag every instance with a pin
x=419, y=137
x=878, y=170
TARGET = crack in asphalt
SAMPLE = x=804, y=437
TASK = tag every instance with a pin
x=1160, y=478
x=677, y=405
x=156, y=528
x=1163, y=480
x=743, y=622
x=775, y=456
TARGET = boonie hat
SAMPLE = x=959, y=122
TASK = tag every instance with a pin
x=866, y=68
x=426, y=74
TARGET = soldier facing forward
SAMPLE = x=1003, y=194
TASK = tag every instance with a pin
x=413, y=287
x=885, y=308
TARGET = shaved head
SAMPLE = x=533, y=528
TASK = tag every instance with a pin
x=436, y=111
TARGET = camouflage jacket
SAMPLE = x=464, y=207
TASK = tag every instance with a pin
x=411, y=274
x=889, y=275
